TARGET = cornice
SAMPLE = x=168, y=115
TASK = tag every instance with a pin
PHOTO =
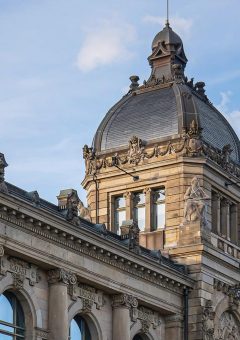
x=76, y=241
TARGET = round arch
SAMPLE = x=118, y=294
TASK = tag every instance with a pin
x=136, y=330
x=222, y=308
x=90, y=318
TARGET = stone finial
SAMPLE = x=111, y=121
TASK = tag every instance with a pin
x=134, y=82
x=3, y=165
x=72, y=207
x=199, y=86
x=34, y=197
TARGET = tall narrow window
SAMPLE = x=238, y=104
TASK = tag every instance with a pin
x=12, y=325
x=78, y=329
x=159, y=208
x=119, y=212
x=139, y=210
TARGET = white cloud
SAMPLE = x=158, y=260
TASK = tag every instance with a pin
x=106, y=44
x=181, y=26
x=233, y=116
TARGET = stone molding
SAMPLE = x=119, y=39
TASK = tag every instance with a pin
x=60, y=275
x=124, y=301
x=147, y=318
x=69, y=241
x=89, y=296
x=20, y=271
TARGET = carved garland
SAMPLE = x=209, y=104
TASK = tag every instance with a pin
x=190, y=144
x=147, y=318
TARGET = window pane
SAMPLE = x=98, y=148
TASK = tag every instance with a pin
x=121, y=216
x=140, y=217
x=159, y=195
x=6, y=311
x=120, y=202
x=75, y=331
x=160, y=215
x=5, y=337
x=139, y=198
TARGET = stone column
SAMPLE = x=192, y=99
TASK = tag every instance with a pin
x=218, y=196
x=122, y=304
x=174, y=327
x=59, y=279
x=225, y=219
x=216, y=213
x=234, y=223
x=148, y=209
x=129, y=205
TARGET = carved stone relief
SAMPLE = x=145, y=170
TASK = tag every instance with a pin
x=20, y=271
x=195, y=203
x=89, y=296
x=208, y=321
x=61, y=275
x=228, y=328
x=124, y=300
x=147, y=318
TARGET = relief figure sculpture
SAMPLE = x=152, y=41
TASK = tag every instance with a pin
x=195, y=203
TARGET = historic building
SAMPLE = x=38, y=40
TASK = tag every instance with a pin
x=156, y=255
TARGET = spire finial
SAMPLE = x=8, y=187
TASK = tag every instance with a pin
x=167, y=21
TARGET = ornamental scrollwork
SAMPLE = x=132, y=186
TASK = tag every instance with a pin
x=228, y=327
x=61, y=275
x=208, y=321
x=147, y=318
x=20, y=271
x=124, y=300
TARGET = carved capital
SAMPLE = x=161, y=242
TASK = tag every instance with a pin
x=124, y=300
x=60, y=275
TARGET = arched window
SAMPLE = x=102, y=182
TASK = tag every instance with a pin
x=137, y=337
x=79, y=329
x=12, y=325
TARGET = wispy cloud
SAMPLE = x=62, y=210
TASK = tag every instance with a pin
x=106, y=44
x=233, y=116
x=181, y=25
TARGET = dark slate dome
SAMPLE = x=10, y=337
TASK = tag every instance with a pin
x=164, y=106
x=168, y=36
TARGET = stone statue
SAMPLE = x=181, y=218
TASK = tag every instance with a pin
x=72, y=208
x=84, y=212
x=228, y=328
x=195, y=203
x=136, y=150
x=134, y=237
x=88, y=155
x=3, y=165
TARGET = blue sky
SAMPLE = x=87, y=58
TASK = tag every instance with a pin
x=64, y=63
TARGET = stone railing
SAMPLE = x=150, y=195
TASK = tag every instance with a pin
x=227, y=246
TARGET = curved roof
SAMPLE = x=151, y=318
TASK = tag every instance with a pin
x=165, y=106
x=163, y=112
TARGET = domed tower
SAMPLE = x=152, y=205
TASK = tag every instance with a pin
x=159, y=144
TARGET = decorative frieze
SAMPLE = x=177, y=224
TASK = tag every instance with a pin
x=229, y=327
x=77, y=244
x=147, y=318
x=60, y=275
x=124, y=300
x=20, y=271
x=89, y=296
